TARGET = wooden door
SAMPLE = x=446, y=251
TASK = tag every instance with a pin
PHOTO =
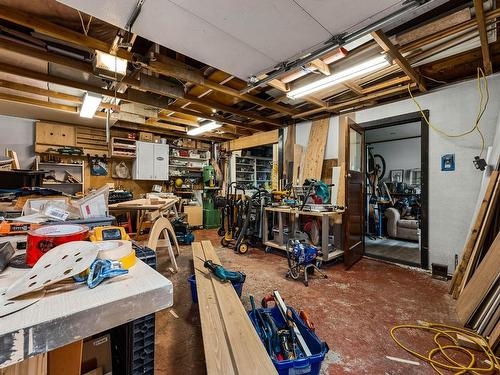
x=353, y=244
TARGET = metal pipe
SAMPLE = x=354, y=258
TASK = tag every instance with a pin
x=335, y=42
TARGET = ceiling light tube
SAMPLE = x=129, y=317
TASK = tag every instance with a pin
x=342, y=76
x=206, y=127
x=91, y=102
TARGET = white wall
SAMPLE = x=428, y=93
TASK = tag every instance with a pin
x=399, y=154
x=18, y=134
x=452, y=195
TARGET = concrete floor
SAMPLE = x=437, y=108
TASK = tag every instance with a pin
x=353, y=310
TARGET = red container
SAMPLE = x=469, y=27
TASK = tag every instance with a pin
x=43, y=239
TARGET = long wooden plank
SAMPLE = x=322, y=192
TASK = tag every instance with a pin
x=483, y=36
x=478, y=286
x=485, y=227
x=316, y=149
x=217, y=353
x=250, y=356
x=391, y=49
x=259, y=139
x=471, y=241
x=297, y=157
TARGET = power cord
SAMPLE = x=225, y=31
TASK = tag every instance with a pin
x=447, y=332
x=483, y=103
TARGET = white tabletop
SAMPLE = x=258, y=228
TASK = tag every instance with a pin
x=76, y=312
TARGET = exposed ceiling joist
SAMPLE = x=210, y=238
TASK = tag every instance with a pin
x=391, y=49
x=173, y=68
x=483, y=36
x=163, y=65
x=346, y=104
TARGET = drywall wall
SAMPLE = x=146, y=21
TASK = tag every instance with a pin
x=18, y=134
x=452, y=195
x=398, y=154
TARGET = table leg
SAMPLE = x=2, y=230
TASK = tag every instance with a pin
x=325, y=229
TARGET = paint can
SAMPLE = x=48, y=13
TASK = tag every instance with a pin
x=42, y=239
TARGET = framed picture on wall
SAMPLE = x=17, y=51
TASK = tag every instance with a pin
x=396, y=175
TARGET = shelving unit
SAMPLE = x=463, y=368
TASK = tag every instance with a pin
x=76, y=170
x=251, y=171
x=123, y=148
x=187, y=162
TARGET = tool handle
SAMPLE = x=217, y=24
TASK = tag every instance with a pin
x=305, y=318
x=267, y=298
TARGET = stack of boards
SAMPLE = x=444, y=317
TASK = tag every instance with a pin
x=476, y=282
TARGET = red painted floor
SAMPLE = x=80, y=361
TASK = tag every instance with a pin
x=353, y=310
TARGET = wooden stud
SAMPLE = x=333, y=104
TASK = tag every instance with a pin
x=354, y=87
x=320, y=65
x=389, y=48
x=383, y=85
x=279, y=85
x=38, y=103
x=353, y=102
x=483, y=36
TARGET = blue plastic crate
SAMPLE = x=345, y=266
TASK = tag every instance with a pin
x=238, y=287
x=304, y=366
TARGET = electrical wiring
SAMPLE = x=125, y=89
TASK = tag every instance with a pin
x=446, y=331
x=483, y=103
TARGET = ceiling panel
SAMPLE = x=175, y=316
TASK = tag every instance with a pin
x=241, y=37
x=393, y=132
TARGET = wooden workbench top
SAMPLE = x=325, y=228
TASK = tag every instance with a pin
x=144, y=204
x=77, y=312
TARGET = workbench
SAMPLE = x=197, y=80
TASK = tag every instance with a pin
x=76, y=312
x=293, y=214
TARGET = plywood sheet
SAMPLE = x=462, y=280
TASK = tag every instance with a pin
x=318, y=135
x=480, y=283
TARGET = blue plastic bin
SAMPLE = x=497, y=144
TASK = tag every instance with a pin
x=305, y=366
x=238, y=287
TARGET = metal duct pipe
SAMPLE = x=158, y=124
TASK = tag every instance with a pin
x=334, y=43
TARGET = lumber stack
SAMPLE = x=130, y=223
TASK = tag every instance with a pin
x=476, y=282
x=230, y=341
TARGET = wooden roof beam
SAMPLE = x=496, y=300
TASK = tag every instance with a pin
x=134, y=96
x=405, y=66
x=170, y=67
x=483, y=36
x=354, y=87
x=346, y=104
x=162, y=65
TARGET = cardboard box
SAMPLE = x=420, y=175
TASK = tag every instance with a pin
x=194, y=215
x=156, y=138
x=97, y=353
x=145, y=136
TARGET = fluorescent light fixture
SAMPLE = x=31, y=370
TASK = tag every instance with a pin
x=91, y=102
x=342, y=76
x=109, y=65
x=206, y=127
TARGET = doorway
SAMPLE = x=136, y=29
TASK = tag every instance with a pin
x=396, y=193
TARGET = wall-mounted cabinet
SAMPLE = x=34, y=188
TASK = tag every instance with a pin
x=151, y=162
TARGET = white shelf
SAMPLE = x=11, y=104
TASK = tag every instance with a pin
x=204, y=160
x=61, y=164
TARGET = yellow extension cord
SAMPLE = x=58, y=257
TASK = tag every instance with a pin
x=446, y=331
x=480, y=112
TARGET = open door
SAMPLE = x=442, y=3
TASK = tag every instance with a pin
x=353, y=244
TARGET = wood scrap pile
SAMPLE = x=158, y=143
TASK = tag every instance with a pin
x=476, y=282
